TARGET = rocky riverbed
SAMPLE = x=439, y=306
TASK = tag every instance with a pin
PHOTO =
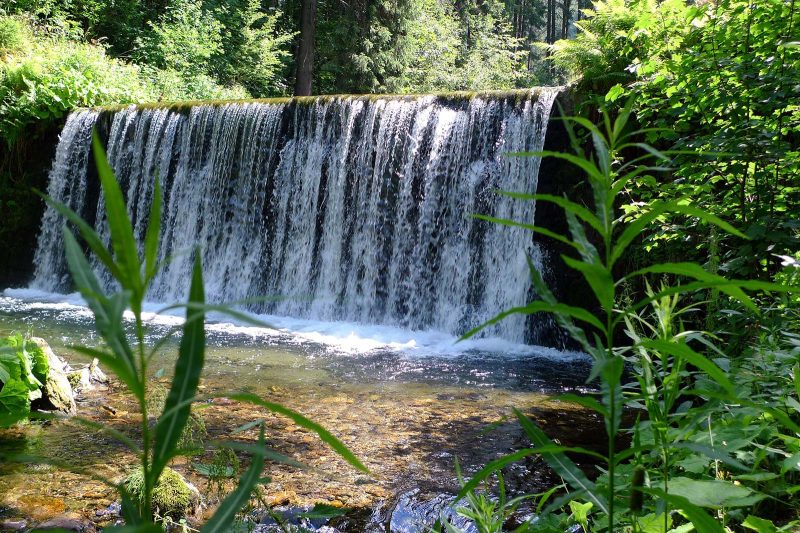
x=409, y=436
x=408, y=417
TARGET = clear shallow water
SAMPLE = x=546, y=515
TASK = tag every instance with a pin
x=407, y=403
x=296, y=351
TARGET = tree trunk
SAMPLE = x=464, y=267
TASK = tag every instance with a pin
x=305, y=50
x=565, y=21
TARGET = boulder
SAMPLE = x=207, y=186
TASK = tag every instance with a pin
x=57, y=391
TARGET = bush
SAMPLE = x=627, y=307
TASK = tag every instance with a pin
x=57, y=76
x=14, y=36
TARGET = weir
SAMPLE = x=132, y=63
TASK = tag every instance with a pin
x=346, y=208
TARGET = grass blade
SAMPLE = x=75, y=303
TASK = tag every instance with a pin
x=87, y=232
x=692, y=357
x=191, y=356
x=153, y=232
x=119, y=223
x=302, y=421
x=562, y=464
x=222, y=519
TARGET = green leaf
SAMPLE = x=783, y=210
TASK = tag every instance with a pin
x=14, y=402
x=578, y=210
x=323, y=511
x=227, y=510
x=713, y=494
x=188, y=367
x=108, y=314
x=586, y=401
x=684, y=352
x=635, y=228
x=501, y=462
x=703, y=523
x=587, y=166
x=614, y=93
x=697, y=272
x=89, y=235
x=562, y=464
x=761, y=525
x=153, y=232
x=712, y=453
x=598, y=278
x=302, y=421
x=536, y=229
x=539, y=306
x=115, y=364
x=119, y=223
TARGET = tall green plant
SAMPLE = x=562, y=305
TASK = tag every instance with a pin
x=133, y=267
x=599, y=237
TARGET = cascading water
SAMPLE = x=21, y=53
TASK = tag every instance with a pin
x=349, y=208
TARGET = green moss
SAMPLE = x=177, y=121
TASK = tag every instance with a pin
x=517, y=95
x=156, y=398
x=171, y=495
x=194, y=434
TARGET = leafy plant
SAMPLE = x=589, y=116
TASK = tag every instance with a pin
x=23, y=372
x=599, y=238
x=133, y=266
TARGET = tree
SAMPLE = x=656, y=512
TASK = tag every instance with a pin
x=304, y=63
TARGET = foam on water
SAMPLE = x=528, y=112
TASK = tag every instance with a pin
x=344, y=338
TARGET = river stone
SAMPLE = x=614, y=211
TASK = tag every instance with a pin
x=95, y=374
x=58, y=394
x=65, y=522
x=13, y=525
x=80, y=379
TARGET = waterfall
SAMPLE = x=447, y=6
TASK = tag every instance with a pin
x=348, y=208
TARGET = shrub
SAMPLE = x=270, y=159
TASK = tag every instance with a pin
x=14, y=36
x=58, y=76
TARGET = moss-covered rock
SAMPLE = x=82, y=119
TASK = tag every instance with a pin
x=57, y=391
x=172, y=496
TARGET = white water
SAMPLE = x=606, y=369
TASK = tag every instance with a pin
x=345, y=338
x=354, y=210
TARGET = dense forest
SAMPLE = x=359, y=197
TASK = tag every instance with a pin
x=683, y=226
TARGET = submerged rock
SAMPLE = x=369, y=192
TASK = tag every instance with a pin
x=13, y=525
x=57, y=393
x=65, y=522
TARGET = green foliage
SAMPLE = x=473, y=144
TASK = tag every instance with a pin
x=133, y=266
x=184, y=39
x=254, y=49
x=14, y=36
x=224, y=467
x=50, y=75
x=713, y=82
x=23, y=372
x=56, y=76
x=683, y=457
